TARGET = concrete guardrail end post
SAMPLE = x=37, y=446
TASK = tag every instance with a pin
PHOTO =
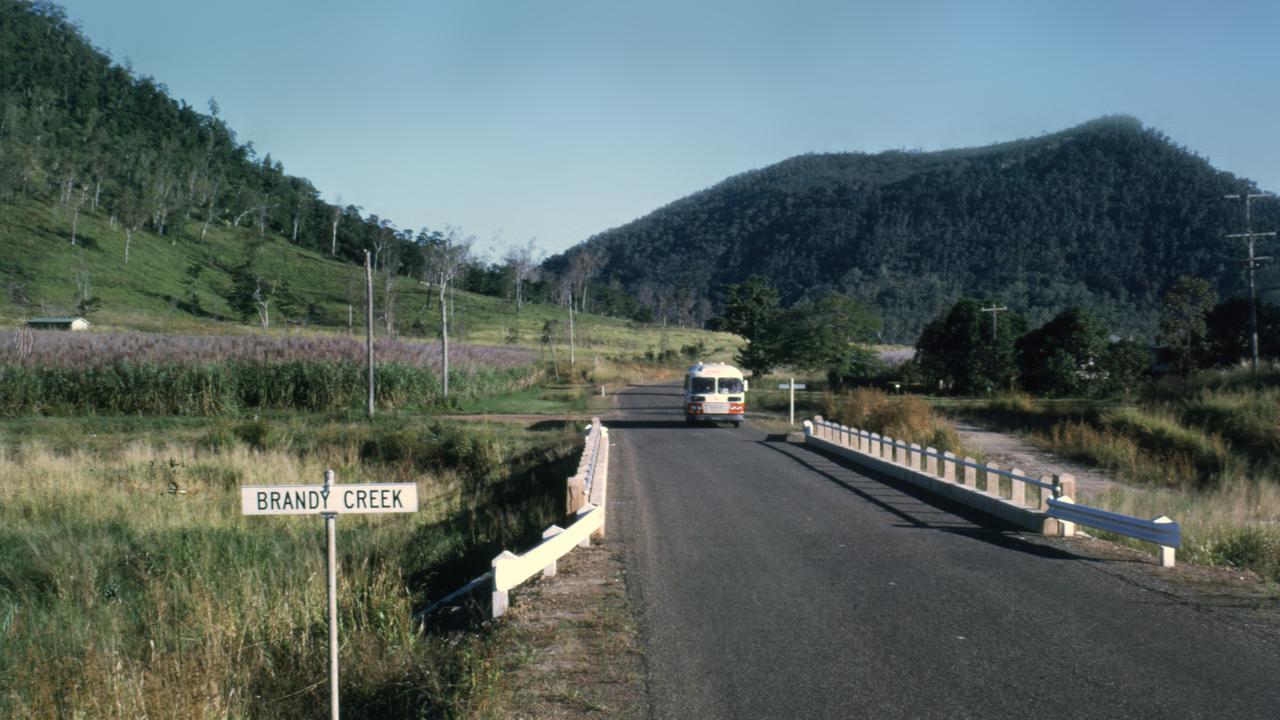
x=554, y=530
x=500, y=597
x=1066, y=529
x=969, y=477
x=1167, y=554
x=949, y=467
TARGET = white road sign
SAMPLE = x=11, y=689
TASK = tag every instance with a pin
x=797, y=386
x=316, y=499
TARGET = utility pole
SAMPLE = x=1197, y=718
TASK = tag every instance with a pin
x=368, y=323
x=994, y=310
x=1252, y=262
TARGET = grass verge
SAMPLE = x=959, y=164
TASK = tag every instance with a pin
x=131, y=586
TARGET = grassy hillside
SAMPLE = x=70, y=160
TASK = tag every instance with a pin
x=154, y=291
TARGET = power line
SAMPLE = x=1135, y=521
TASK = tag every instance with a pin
x=1252, y=262
x=994, y=310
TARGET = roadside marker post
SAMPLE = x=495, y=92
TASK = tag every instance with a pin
x=328, y=501
x=793, y=387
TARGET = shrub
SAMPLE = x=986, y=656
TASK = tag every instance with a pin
x=908, y=418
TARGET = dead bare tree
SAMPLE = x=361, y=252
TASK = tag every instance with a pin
x=390, y=275
x=262, y=300
x=445, y=258
x=337, y=216
x=565, y=289
x=523, y=262
x=583, y=268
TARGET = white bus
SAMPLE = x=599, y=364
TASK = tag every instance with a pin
x=714, y=391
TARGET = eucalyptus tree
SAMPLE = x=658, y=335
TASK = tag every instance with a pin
x=444, y=257
x=522, y=261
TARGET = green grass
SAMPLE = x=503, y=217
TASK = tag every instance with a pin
x=218, y=388
x=540, y=400
x=150, y=293
x=1201, y=450
x=131, y=585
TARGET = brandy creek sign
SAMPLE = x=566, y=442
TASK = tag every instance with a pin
x=319, y=499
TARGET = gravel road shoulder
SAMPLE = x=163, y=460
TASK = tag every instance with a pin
x=1013, y=451
x=570, y=645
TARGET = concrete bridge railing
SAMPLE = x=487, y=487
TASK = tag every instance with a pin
x=1042, y=504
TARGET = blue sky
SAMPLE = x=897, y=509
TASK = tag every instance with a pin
x=559, y=119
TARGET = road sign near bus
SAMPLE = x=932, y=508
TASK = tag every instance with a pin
x=796, y=386
x=318, y=499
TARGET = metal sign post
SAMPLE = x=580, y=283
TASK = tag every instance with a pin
x=328, y=501
x=793, y=387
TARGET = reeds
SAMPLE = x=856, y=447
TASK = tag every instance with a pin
x=66, y=349
x=215, y=388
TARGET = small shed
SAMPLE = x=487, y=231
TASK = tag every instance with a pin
x=58, y=323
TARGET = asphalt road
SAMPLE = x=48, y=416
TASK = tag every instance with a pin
x=773, y=581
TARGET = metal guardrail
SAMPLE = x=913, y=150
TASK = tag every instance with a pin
x=1161, y=531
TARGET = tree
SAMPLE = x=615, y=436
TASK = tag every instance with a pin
x=584, y=266
x=961, y=351
x=1125, y=367
x=337, y=217
x=1062, y=356
x=1228, y=340
x=132, y=213
x=249, y=295
x=564, y=292
x=1182, y=321
x=443, y=258
x=522, y=262
x=751, y=311
x=832, y=335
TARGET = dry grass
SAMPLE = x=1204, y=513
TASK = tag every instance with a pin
x=1204, y=451
x=908, y=418
x=1235, y=524
x=131, y=586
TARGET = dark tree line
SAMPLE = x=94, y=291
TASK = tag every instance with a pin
x=1074, y=354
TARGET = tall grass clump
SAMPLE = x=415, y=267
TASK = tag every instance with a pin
x=908, y=418
x=131, y=585
x=1234, y=524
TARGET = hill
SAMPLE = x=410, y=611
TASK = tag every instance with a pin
x=1103, y=215
x=119, y=202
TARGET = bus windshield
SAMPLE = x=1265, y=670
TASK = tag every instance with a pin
x=730, y=385
x=702, y=385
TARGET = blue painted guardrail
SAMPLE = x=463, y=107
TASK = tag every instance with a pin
x=1162, y=531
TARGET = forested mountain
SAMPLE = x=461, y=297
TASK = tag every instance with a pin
x=1103, y=215
x=88, y=134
